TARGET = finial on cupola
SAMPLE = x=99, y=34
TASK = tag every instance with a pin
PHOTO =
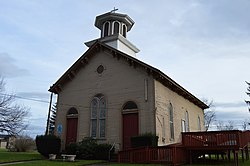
x=113, y=11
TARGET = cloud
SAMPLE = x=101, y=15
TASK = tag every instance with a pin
x=207, y=19
x=8, y=67
x=34, y=130
x=238, y=104
x=34, y=95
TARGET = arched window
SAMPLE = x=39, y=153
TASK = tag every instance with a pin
x=187, y=121
x=72, y=111
x=199, y=123
x=116, y=27
x=130, y=105
x=106, y=29
x=171, y=121
x=163, y=130
x=124, y=30
x=98, y=116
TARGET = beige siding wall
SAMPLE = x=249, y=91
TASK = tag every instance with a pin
x=119, y=83
x=163, y=97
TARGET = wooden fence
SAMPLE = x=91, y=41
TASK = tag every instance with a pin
x=174, y=154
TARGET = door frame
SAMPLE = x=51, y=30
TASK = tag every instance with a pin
x=73, y=115
x=129, y=111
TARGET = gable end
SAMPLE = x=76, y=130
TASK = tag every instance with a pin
x=133, y=62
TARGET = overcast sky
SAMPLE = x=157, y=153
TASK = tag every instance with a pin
x=202, y=45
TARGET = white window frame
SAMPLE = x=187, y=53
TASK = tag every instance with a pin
x=113, y=27
x=199, y=123
x=103, y=29
x=183, y=125
x=98, y=118
x=171, y=121
x=187, y=121
x=122, y=31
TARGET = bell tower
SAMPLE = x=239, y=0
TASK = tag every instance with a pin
x=114, y=28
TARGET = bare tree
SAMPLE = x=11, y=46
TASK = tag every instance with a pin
x=245, y=123
x=248, y=93
x=209, y=114
x=228, y=126
x=12, y=116
x=220, y=125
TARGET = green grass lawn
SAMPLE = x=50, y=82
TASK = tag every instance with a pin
x=76, y=163
x=6, y=156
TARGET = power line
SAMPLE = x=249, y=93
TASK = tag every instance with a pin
x=24, y=98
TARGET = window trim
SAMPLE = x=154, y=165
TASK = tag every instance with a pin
x=187, y=121
x=104, y=28
x=113, y=27
x=171, y=121
x=199, y=123
x=98, y=98
x=124, y=30
x=183, y=125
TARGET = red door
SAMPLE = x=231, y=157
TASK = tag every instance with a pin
x=130, y=128
x=71, y=130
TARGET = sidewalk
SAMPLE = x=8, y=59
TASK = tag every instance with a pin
x=21, y=162
x=16, y=162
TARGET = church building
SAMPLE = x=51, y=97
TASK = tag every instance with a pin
x=110, y=95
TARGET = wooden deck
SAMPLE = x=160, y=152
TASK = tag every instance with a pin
x=195, y=145
x=233, y=139
x=200, y=144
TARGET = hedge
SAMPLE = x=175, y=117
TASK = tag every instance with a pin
x=48, y=144
x=144, y=140
x=88, y=148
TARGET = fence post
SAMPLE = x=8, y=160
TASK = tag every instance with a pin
x=174, y=155
x=131, y=156
x=246, y=151
x=242, y=154
x=119, y=157
x=147, y=155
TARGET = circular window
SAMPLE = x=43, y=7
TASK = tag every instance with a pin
x=100, y=69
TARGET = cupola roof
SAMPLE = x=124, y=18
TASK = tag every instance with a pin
x=112, y=16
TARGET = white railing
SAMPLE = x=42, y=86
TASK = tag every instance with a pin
x=112, y=147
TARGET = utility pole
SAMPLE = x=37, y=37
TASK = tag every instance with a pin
x=48, y=119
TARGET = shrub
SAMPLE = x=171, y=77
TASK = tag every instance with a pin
x=24, y=144
x=72, y=148
x=102, y=151
x=48, y=144
x=89, y=149
x=147, y=139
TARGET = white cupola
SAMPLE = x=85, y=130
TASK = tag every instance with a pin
x=114, y=28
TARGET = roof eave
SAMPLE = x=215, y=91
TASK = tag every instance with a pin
x=83, y=60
